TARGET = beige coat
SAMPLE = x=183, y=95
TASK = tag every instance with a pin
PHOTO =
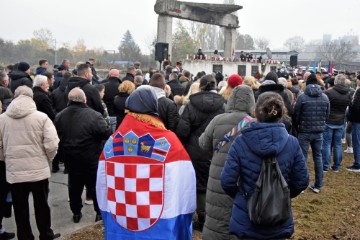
x=28, y=141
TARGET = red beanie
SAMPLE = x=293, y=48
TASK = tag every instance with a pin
x=235, y=80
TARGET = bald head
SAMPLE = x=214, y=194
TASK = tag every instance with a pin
x=114, y=73
x=77, y=95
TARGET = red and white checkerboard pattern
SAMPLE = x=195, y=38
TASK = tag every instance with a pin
x=135, y=194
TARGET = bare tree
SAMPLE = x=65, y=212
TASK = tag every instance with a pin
x=244, y=42
x=262, y=43
x=338, y=51
x=296, y=43
x=45, y=36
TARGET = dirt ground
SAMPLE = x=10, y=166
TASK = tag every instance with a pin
x=334, y=213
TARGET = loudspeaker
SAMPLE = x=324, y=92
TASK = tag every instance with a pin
x=161, y=51
x=293, y=61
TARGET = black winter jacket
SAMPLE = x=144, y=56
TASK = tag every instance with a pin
x=19, y=78
x=176, y=87
x=129, y=77
x=6, y=97
x=198, y=113
x=119, y=107
x=354, y=108
x=167, y=110
x=339, y=97
x=93, y=99
x=59, y=98
x=168, y=113
x=280, y=90
x=43, y=102
x=311, y=110
x=81, y=131
x=111, y=90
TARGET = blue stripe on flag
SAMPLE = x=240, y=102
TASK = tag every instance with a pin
x=179, y=227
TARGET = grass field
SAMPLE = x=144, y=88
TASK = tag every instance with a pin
x=334, y=213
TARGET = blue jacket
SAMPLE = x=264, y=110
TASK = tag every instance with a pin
x=243, y=167
x=40, y=70
x=311, y=110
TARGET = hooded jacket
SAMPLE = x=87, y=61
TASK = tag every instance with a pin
x=311, y=110
x=198, y=113
x=218, y=204
x=19, y=78
x=93, y=99
x=339, y=97
x=271, y=86
x=243, y=166
x=28, y=141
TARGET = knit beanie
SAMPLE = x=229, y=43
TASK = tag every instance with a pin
x=235, y=80
x=23, y=66
x=312, y=79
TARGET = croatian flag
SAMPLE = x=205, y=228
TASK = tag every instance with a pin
x=146, y=185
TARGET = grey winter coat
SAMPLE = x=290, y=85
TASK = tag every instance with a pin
x=218, y=204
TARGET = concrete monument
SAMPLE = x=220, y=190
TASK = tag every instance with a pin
x=215, y=14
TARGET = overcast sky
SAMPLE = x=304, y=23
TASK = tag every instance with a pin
x=101, y=24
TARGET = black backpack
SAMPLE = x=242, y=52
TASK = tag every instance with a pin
x=270, y=203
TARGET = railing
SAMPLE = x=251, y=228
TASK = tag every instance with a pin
x=228, y=59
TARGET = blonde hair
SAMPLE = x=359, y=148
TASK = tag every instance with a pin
x=302, y=85
x=251, y=82
x=182, y=100
x=194, y=88
x=126, y=87
x=167, y=90
x=226, y=93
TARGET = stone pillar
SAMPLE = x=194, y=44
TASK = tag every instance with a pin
x=229, y=41
x=164, y=31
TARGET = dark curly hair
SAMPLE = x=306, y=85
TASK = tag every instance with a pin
x=270, y=107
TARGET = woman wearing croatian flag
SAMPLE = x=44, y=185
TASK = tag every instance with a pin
x=146, y=184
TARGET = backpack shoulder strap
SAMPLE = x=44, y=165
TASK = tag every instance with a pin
x=228, y=136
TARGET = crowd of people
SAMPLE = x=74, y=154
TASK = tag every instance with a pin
x=152, y=149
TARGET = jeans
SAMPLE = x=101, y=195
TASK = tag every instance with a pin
x=113, y=123
x=315, y=140
x=356, y=142
x=332, y=133
x=348, y=134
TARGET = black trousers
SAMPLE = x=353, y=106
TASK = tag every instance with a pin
x=3, y=190
x=20, y=194
x=58, y=158
x=77, y=181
